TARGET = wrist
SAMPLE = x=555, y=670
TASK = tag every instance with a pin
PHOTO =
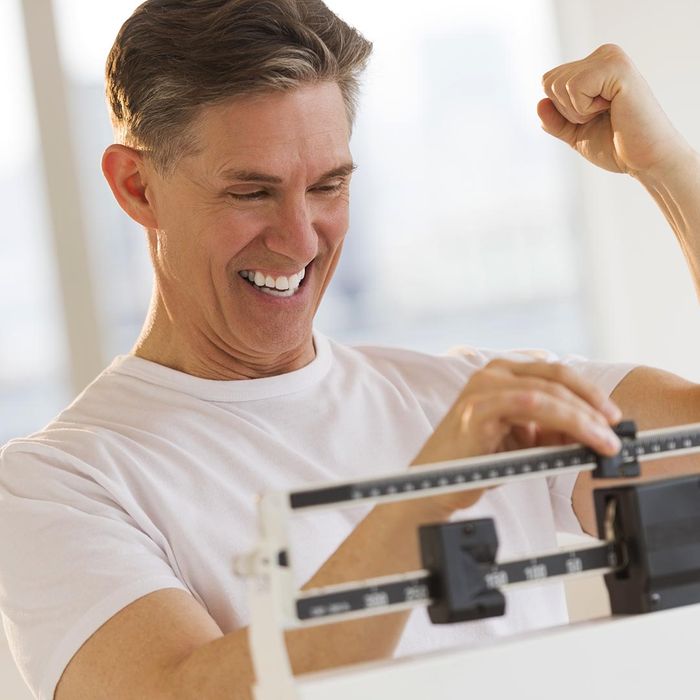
x=673, y=170
x=400, y=522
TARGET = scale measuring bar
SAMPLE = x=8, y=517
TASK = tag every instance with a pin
x=421, y=587
x=489, y=470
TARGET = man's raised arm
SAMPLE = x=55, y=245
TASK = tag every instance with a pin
x=603, y=108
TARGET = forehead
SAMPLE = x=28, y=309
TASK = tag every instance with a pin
x=306, y=125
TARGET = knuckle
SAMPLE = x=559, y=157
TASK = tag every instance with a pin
x=613, y=52
x=610, y=48
x=476, y=377
x=529, y=399
x=560, y=373
x=496, y=363
x=476, y=381
x=556, y=89
x=574, y=93
x=560, y=391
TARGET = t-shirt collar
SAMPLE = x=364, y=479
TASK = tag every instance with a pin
x=230, y=390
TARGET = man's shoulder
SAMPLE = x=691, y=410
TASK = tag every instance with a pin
x=462, y=359
x=417, y=370
x=456, y=365
x=109, y=406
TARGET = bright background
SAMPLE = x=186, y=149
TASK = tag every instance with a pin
x=469, y=224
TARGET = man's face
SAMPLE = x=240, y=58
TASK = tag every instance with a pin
x=264, y=203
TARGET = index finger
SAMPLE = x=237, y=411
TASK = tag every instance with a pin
x=557, y=372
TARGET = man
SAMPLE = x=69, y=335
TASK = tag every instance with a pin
x=122, y=518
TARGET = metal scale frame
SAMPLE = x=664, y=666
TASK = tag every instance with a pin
x=634, y=523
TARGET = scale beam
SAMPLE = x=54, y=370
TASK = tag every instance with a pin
x=420, y=588
x=492, y=470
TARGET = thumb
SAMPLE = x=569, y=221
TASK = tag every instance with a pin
x=556, y=124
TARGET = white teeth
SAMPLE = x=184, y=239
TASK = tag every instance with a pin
x=288, y=285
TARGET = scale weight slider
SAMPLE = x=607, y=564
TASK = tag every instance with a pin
x=617, y=466
x=456, y=555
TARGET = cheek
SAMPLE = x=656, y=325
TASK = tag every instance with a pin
x=336, y=221
x=227, y=233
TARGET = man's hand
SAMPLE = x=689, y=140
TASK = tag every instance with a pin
x=514, y=405
x=603, y=107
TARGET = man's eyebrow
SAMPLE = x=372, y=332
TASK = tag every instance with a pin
x=341, y=171
x=254, y=176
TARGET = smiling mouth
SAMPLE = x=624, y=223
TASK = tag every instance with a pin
x=280, y=286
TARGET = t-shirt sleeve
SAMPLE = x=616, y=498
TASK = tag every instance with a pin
x=70, y=558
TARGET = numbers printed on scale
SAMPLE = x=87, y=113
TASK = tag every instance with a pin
x=535, y=571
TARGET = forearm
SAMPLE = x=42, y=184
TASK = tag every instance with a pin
x=676, y=189
x=384, y=543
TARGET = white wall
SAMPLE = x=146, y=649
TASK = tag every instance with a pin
x=639, y=292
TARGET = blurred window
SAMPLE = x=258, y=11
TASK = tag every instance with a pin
x=86, y=31
x=461, y=221
x=33, y=361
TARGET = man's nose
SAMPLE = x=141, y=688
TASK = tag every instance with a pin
x=293, y=233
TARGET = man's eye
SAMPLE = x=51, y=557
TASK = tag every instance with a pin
x=248, y=196
x=329, y=188
x=260, y=194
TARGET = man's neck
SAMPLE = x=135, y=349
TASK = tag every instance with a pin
x=193, y=353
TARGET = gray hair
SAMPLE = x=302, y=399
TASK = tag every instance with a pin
x=173, y=57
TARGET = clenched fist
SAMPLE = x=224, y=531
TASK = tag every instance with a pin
x=603, y=107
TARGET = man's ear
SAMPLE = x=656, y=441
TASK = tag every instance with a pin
x=125, y=170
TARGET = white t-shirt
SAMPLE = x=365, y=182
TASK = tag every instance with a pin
x=147, y=481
